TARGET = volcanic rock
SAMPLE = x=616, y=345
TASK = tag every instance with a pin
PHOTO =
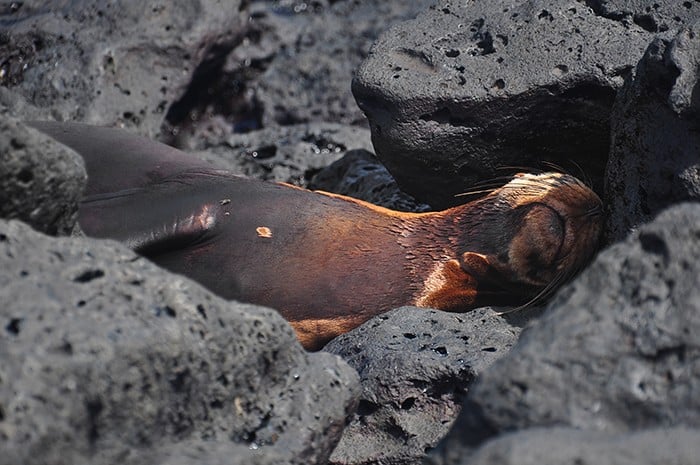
x=415, y=366
x=614, y=352
x=655, y=150
x=470, y=91
x=107, y=358
x=41, y=181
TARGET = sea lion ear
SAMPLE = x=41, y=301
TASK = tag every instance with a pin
x=476, y=264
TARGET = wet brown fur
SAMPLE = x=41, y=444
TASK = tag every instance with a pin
x=328, y=262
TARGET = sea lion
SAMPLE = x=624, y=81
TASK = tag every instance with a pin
x=327, y=262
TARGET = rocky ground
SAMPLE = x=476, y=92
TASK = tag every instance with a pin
x=106, y=358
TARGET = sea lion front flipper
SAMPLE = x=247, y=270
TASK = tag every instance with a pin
x=116, y=159
x=154, y=220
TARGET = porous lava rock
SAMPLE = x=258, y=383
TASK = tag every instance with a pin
x=415, y=366
x=652, y=16
x=556, y=446
x=309, y=79
x=361, y=175
x=292, y=154
x=41, y=181
x=471, y=90
x=107, y=358
x=655, y=149
x=114, y=62
x=293, y=65
x=616, y=350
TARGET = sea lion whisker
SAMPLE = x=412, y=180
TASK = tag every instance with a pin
x=551, y=166
x=541, y=295
x=475, y=192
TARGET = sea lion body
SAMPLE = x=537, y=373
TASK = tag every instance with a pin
x=327, y=262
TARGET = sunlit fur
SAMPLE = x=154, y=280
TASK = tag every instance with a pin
x=326, y=262
x=528, y=236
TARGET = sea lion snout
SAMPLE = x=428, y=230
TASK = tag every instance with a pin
x=533, y=233
x=558, y=233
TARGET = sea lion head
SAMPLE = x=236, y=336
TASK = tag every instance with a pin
x=532, y=234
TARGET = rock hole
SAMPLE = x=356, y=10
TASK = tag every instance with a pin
x=442, y=351
x=88, y=275
x=2, y=413
x=25, y=176
x=202, y=311
x=544, y=14
x=498, y=84
x=14, y=326
x=216, y=404
x=409, y=335
x=654, y=244
x=688, y=5
x=94, y=408
x=3, y=237
x=223, y=380
x=408, y=403
x=24, y=273
x=263, y=153
x=452, y=53
x=365, y=407
x=166, y=310
x=488, y=349
x=178, y=381
x=67, y=348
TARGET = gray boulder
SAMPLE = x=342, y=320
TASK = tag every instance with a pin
x=615, y=351
x=114, y=62
x=360, y=174
x=41, y=181
x=655, y=150
x=415, y=366
x=470, y=88
x=556, y=446
x=107, y=358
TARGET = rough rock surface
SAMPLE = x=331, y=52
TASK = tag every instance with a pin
x=41, y=181
x=309, y=79
x=107, y=359
x=114, y=62
x=556, y=446
x=656, y=16
x=655, y=150
x=360, y=175
x=469, y=88
x=415, y=366
x=292, y=154
x=294, y=65
x=615, y=351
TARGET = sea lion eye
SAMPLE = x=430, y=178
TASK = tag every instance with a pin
x=534, y=249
